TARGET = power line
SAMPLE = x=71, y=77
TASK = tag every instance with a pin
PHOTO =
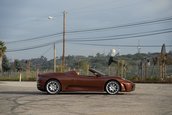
x=46, y=51
x=115, y=38
x=98, y=29
x=125, y=37
x=34, y=38
x=33, y=47
x=125, y=25
x=120, y=35
x=110, y=45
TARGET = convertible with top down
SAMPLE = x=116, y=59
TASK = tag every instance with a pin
x=54, y=83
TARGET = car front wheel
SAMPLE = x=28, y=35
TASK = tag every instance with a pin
x=53, y=87
x=112, y=87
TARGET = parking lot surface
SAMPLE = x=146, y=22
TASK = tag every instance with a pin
x=23, y=98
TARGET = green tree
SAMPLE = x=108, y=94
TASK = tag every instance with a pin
x=83, y=67
x=2, y=52
x=17, y=65
x=5, y=64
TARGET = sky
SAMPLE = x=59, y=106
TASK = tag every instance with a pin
x=21, y=20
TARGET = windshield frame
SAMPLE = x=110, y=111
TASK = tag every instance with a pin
x=96, y=72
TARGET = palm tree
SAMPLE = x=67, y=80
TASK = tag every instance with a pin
x=2, y=52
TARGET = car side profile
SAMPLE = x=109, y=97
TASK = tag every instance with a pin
x=54, y=83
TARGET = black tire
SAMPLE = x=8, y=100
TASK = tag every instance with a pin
x=53, y=87
x=112, y=87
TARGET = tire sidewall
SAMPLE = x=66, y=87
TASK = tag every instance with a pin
x=112, y=82
x=58, y=85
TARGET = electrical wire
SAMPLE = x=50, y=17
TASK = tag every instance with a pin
x=58, y=41
x=34, y=47
x=34, y=38
x=110, y=45
x=125, y=25
x=46, y=51
x=125, y=37
x=119, y=35
x=98, y=29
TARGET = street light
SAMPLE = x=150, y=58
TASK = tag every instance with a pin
x=50, y=18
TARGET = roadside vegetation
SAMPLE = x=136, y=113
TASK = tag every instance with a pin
x=139, y=67
x=30, y=68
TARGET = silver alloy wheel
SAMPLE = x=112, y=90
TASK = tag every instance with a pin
x=112, y=87
x=53, y=87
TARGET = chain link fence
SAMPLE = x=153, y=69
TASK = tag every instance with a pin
x=132, y=72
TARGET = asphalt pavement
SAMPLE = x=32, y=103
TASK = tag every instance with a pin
x=23, y=98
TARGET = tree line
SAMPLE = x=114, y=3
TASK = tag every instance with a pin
x=123, y=63
x=100, y=61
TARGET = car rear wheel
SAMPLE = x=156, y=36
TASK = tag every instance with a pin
x=53, y=87
x=112, y=87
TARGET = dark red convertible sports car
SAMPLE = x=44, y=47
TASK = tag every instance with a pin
x=55, y=83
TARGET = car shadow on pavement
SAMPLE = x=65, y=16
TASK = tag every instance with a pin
x=86, y=93
x=63, y=93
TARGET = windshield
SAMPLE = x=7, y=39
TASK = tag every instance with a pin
x=96, y=72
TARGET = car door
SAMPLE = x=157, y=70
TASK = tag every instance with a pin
x=89, y=83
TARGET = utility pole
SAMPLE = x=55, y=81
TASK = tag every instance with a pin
x=64, y=32
x=54, y=57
